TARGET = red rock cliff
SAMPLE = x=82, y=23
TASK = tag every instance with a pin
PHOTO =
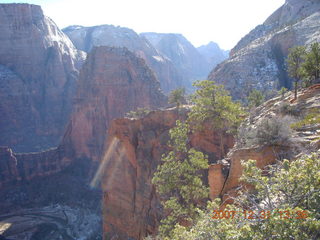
x=130, y=205
x=38, y=74
x=113, y=81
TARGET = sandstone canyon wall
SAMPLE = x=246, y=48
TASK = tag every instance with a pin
x=259, y=59
x=112, y=82
x=85, y=38
x=131, y=207
x=38, y=76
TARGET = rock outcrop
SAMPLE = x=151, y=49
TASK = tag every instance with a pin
x=131, y=206
x=85, y=38
x=38, y=75
x=213, y=54
x=189, y=62
x=26, y=166
x=113, y=81
x=224, y=176
x=259, y=59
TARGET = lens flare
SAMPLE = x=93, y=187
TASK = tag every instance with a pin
x=109, y=153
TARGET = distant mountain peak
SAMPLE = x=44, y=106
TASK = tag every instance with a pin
x=258, y=61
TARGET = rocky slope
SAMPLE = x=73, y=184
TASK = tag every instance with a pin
x=258, y=60
x=112, y=82
x=131, y=208
x=213, y=54
x=38, y=73
x=190, y=63
x=85, y=38
x=224, y=175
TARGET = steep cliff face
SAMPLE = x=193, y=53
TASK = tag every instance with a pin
x=258, y=60
x=112, y=82
x=189, y=62
x=131, y=206
x=213, y=54
x=21, y=167
x=85, y=38
x=38, y=73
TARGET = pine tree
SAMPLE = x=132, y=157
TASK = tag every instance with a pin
x=178, y=180
x=295, y=61
x=255, y=98
x=177, y=97
x=213, y=107
x=311, y=66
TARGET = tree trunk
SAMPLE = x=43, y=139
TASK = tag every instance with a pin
x=222, y=145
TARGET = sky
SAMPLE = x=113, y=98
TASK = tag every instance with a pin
x=222, y=21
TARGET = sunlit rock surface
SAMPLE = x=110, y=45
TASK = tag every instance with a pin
x=259, y=59
x=86, y=38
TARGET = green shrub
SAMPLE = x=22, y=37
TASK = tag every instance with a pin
x=140, y=112
x=270, y=131
x=313, y=117
x=273, y=131
x=292, y=186
x=286, y=108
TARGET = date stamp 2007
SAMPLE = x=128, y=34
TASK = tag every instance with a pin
x=248, y=214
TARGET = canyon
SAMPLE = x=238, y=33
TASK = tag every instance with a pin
x=85, y=38
x=174, y=60
x=73, y=166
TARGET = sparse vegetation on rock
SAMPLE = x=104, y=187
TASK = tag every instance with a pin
x=283, y=205
x=255, y=98
x=179, y=182
x=179, y=179
x=313, y=117
x=270, y=131
x=138, y=113
x=304, y=64
x=213, y=105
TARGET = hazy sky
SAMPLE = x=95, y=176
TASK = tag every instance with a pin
x=201, y=21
